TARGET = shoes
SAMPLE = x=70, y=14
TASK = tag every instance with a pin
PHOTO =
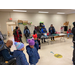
x=53, y=40
x=44, y=41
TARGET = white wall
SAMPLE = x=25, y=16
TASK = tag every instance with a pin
x=56, y=20
x=71, y=19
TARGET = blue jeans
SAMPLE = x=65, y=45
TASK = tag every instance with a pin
x=69, y=34
x=27, y=40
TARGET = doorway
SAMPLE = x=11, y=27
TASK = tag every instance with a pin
x=10, y=28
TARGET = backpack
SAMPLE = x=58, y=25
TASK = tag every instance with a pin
x=27, y=33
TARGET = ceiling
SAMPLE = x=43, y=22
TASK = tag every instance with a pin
x=51, y=11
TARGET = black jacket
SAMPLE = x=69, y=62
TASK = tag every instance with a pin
x=73, y=31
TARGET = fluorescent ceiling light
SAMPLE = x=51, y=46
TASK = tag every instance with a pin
x=60, y=13
x=42, y=12
x=20, y=10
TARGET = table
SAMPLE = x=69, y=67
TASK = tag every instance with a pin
x=62, y=36
x=53, y=35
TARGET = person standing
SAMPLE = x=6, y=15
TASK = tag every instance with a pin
x=20, y=33
x=73, y=31
x=52, y=31
x=26, y=32
x=69, y=33
x=32, y=52
x=19, y=55
x=43, y=30
x=16, y=34
x=38, y=32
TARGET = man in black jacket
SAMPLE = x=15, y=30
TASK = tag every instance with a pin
x=73, y=31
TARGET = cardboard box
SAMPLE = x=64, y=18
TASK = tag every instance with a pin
x=20, y=21
x=25, y=21
x=66, y=23
x=29, y=23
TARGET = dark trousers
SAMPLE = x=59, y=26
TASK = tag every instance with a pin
x=21, y=40
x=74, y=54
x=39, y=44
x=52, y=38
x=42, y=40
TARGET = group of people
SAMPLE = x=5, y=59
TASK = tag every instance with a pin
x=41, y=29
x=31, y=49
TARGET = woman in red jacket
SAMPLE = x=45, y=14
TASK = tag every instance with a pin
x=17, y=36
x=69, y=33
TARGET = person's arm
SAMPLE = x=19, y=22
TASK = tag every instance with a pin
x=23, y=59
x=29, y=32
x=37, y=45
x=30, y=53
x=24, y=32
x=41, y=30
x=49, y=30
x=6, y=55
x=20, y=33
x=46, y=29
x=54, y=30
x=73, y=31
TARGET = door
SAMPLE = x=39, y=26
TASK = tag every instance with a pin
x=10, y=29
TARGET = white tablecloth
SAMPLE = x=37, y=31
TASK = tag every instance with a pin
x=62, y=34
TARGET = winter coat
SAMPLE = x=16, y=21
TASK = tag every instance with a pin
x=17, y=36
x=36, y=45
x=20, y=58
x=73, y=31
x=51, y=30
x=7, y=56
x=33, y=55
x=43, y=30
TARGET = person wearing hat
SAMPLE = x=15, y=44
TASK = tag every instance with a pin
x=32, y=52
x=73, y=31
x=19, y=55
x=43, y=30
x=36, y=42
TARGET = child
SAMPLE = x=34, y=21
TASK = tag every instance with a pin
x=32, y=52
x=36, y=42
x=69, y=33
x=19, y=55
